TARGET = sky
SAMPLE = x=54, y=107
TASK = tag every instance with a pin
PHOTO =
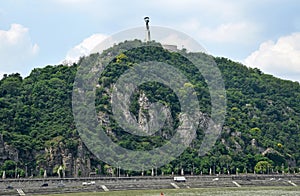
x=258, y=33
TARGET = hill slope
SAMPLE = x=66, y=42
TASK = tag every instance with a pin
x=38, y=131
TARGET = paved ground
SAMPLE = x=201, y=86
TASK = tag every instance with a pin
x=104, y=184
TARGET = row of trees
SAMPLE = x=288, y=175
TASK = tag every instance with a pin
x=10, y=170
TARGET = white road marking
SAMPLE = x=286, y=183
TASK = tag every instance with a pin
x=237, y=184
x=20, y=191
x=292, y=183
x=104, y=188
x=175, y=185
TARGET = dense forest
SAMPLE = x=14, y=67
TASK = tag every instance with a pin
x=260, y=134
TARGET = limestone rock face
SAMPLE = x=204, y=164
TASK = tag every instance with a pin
x=7, y=151
x=152, y=117
x=71, y=162
x=82, y=162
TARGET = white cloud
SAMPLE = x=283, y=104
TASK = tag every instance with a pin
x=1, y=74
x=204, y=8
x=72, y=2
x=238, y=32
x=94, y=7
x=230, y=32
x=84, y=48
x=281, y=58
x=16, y=48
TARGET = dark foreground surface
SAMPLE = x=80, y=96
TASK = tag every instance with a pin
x=225, y=191
x=233, y=185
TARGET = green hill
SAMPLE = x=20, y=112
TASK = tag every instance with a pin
x=261, y=130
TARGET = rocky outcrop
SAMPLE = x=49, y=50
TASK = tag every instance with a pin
x=152, y=117
x=7, y=151
x=74, y=163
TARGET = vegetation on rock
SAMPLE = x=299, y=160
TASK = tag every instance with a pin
x=261, y=131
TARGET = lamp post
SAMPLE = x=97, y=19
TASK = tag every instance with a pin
x=119, y=171
x=192, y=173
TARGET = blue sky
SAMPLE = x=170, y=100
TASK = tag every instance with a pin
x=258, y=33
